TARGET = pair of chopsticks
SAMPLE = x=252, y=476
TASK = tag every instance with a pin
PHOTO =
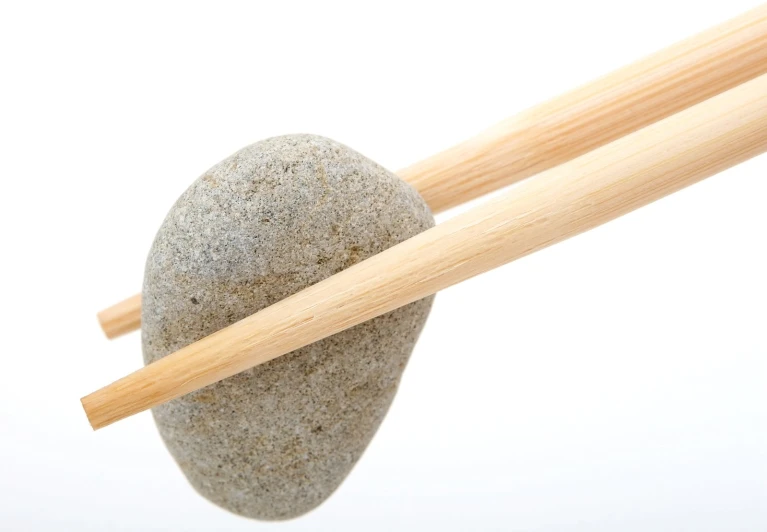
x=596, y=153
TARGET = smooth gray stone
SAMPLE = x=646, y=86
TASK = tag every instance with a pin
x=275, y=217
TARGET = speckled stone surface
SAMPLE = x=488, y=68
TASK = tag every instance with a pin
x=277, y=216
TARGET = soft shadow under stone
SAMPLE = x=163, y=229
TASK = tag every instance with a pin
x=275, y=217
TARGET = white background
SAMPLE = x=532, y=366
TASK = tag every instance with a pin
x=613, y=382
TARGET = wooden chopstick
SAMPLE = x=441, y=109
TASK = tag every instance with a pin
x=568, y=126
x=548, y=208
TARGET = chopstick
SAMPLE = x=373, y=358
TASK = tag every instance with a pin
x=566, y=127
x=548, y=208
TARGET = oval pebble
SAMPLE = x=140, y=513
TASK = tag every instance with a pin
x=275, y=441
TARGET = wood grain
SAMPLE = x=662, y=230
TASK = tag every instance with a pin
x=568, y=126
x=548, y=208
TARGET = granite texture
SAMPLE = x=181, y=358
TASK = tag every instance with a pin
x=277, y=216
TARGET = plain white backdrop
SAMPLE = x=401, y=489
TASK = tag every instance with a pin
x=617, y=380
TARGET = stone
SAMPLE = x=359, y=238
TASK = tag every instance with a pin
x=275, y=441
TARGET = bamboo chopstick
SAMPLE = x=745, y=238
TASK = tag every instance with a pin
x=568, y=126
x=550, y=207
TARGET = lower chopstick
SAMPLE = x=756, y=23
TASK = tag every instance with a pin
x=548, y=208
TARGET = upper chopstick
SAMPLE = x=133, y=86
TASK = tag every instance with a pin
x=545, y=209
x=568, y=126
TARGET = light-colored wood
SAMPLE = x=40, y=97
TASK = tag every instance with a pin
x=550, y=207
x=121, y=318
x=597, y=113
x=591, y=116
